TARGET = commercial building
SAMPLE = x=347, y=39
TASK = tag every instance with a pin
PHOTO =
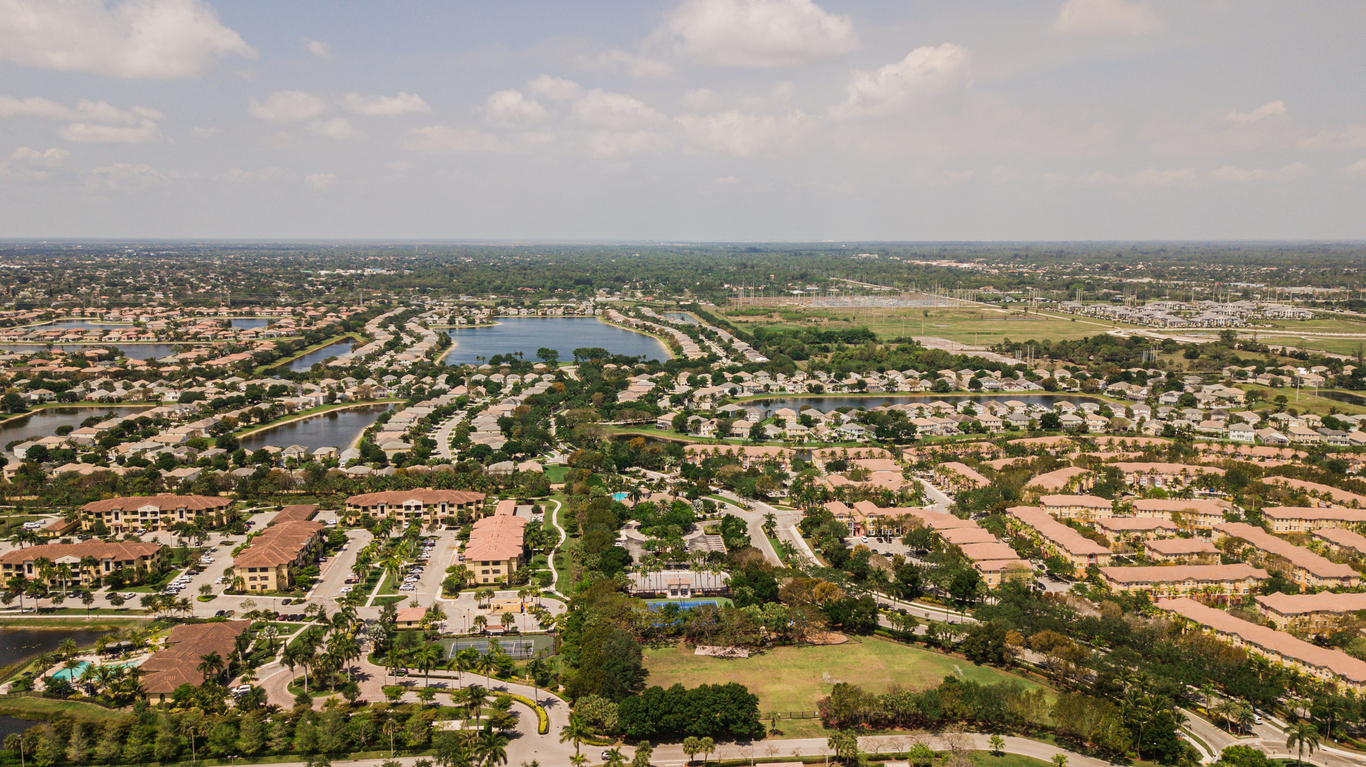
x=157, y=512
x=1295, y=562
x=414, y=507
x=87, y=562
x=1332, y=667
x=1211, y=581
x=679, y=584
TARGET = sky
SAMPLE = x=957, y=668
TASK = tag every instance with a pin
x=683, y=120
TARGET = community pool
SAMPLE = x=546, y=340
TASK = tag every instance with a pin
x=73, y=674
x=683, y=604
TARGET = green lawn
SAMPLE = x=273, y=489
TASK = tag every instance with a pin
x=47, y=708
x=988, y=759
x=556, y=473
x=794, y=678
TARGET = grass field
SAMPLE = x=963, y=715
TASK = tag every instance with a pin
x=795, y=678
x=46, y=708
x=975, y=326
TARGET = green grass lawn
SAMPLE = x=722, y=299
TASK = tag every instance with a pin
x=988, y=759
x=556, y=473
x=390, y=600
x=794, y=678
x=47, y=708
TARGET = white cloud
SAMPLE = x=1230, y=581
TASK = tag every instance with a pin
x=608, y=144
x=122, y=177
x=726, y=181
x=265, y=175
x=924, y=73
x=555, y=89
x=614, y=111
x=384, y=106
x=321, y=182
x=146, y=132
x=741, y=134
x=1356, y=170
x=133, y=38
x=760, y=33
x=510, y=108
x=1337, y=139
x=1107, y=17
x=1149, y=177
x=1269, y=109
x=206, y=132
x=93, y=111
x=1236, y=175
x=288, y=106
x=335, y=128
x=32, y=165
x=441, y=139
x=317, y=47
x=637, y=66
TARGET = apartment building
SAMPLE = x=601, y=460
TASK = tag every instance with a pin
x=1131, y=529
x=157, y=512
x=1175, y=580
x=414, y=507
x=1164, y=475
x=87, y=562
x=1076, y=506
x=1305, y=519
x=1320, y=613
x=494, y=551
x=1056, y=538
x=1170, y=550
x=271, y=559
x=1297, y=563
x=1332, y=667
x=1320, y=494
x=1191, y=514
x=1347, y=541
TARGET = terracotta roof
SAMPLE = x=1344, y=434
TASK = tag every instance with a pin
x=1089, y=501
x=961, y=535
x=1322, y=602
x=1180, y=546
x=186, y=646
x=164, y=501
x=1342, y=537
x=495, y=539
x=278, y=545
x=1131, y=467
x=985, y=552
x=1056, y=480
x=117, y=550
x=426, y=496
x=1179, y=573
x=301, y=512
x=1056, y=532
x=1134, y=524
x=1296, y=555
x=1332, y=513
x=1276, y=643
x=1176, y=505
x=1339, y=495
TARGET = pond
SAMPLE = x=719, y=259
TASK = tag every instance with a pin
x=131, y=351
x=686, y=319
x=21, y=644
x=335, y=428
x=11, y=726
x=306, y=362
x=833, y=402
x=85, y=325
x=563, y=334
x=246, y=323
x=44, y=423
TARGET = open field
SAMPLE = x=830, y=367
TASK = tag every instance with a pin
x=795, y=678
x=965, y=325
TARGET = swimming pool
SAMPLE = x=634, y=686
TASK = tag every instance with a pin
x=683, y=604
x=620, y=496
x=73, y=674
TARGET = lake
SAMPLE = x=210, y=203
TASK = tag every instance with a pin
x=86, y=325
x=18, y=645
x=563, y=334
x=686, y=319
x=833, y=402
x=11, y=726
x=245, y=323
x=335, y=428
x=131, y=351
x=44, y=423
x=306, y=362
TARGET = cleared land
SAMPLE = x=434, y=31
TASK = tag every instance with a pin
x=790, y=679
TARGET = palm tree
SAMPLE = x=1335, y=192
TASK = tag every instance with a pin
x=428, y=658
x=575, y=731
x=1302, y=734
x=487, y=663
x=479, y=624
x=1244, y=716
x=210, y=665
x=490, y=747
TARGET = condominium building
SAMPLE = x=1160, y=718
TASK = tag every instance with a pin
x=1304, y=519
x=1057, y=539
x=1196, y=514
x=1320, y=613
x=157, y=512
x=1333, y=667
x=1296, y=562
x=414, y=507
x=272, y=558
x=1076, y=506
x=1173, y=580
x=494, y=551
x=1196, y=550
x=1342, y=539
x=87, y=562
x=1123, y=529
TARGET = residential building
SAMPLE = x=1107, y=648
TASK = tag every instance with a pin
x=1211, y=581
x=1197, y=550
x=167, y=670
x=88, y=562
x=494, y=551
x=1187, y=513
x=157, y=512
x=1057, y=539
x=1333, y=667
x=1304, y=519
x=1349, y=542
x=1320, y=613
x=1297, y=563
x=414, y=507
x=271, y=559
x=1076, y=506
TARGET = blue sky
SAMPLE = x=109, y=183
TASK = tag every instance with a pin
x=697, y=120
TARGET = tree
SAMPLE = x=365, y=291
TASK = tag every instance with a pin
x=845, y=746
x=1059, y=760
x=642, y=758
x=692, y=746
x=1301, y=735
x=998, y=744
x=574, y=731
